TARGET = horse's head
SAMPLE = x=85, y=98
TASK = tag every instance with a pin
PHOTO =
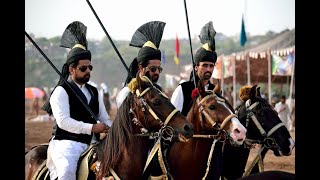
x=211, y=112
x=263, y=123
x=155, y=113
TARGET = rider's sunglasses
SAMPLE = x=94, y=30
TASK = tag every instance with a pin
x=154, y=68
x=84, y=68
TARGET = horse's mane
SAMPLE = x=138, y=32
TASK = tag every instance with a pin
x=120, y=133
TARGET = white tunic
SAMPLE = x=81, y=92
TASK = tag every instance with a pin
x=177, y=98
x=61, y=150
x=123, y=93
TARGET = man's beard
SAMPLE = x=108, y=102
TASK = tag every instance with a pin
x=206, y=76
x=154, y=78
x=84, y=79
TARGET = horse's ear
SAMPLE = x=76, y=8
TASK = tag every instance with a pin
x=201, y=88
x=258, y=94
x=253, y=92
x=217, y=88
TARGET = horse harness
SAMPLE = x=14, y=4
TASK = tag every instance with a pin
x=268, y=142
x=160, y=135
x=222, y=134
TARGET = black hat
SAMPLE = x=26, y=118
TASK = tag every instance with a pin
x=148, y=38
x=207, y=51
x=74, y=37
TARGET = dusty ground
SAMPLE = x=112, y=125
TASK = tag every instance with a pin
x=40, y=132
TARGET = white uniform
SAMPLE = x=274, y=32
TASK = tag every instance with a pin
x=177, y=98
x=60, y=151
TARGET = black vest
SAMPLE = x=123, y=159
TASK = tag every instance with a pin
x=187, y=88
x=78, y=112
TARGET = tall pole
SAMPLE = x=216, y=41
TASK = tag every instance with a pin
x=269, y=74
x=292, y=77
x=222, y=74
x=192, y=61
x=107, y=34
x=234, y=81
x=248, y=69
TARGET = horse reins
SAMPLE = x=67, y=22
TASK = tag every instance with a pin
x=165, y=129
x=222, y=135
x=267, y=142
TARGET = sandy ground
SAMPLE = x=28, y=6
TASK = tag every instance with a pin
x=40, y=132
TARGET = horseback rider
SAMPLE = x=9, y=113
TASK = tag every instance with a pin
x=74, y=127
x=148, y=61
x=205, y=59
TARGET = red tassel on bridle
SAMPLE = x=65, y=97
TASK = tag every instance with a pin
x=194, y=93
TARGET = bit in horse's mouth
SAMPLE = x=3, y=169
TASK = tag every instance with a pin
x=182, y=138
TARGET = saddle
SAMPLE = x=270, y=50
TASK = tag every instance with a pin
x=85, y=165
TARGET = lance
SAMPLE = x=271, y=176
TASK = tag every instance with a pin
x=105, y=31
x=44, y=55
x=192, y=61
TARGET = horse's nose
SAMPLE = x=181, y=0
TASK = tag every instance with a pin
x=240, y=134
x=188, y=128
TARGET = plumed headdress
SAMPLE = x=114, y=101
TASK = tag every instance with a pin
x=207, y=51
x=148, y=38
x=74, y=37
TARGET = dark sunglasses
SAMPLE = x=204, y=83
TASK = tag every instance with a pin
x=84, y=68
x=154, y=68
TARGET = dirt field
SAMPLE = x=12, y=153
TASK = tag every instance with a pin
x=40, y=132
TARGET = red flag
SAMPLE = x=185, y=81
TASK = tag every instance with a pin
x=177, y=46
x=177, y=53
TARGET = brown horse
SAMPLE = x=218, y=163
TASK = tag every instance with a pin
x=264, y=127
x=145, y=115
x=214, y=122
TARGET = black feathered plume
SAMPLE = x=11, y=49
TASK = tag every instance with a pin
x=207, y=34
x=75, y=33
x=150, y=31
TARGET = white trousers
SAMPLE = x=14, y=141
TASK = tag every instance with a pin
x=62, y=158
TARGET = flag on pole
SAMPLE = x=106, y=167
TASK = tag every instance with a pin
x=177, y=53
x=243, y=36
x=282, y=65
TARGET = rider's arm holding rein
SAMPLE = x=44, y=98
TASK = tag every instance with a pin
x=177, y=98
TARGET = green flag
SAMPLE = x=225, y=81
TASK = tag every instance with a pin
x=243, y=37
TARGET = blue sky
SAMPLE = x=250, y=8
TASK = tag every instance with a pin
x=49, y=18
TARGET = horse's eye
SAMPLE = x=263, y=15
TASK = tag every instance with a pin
x=212, y=107
x=156, y=102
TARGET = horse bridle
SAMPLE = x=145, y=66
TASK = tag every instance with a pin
x=160, y=135
x=268, y=142
x=222, y=134
x=165, y=129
